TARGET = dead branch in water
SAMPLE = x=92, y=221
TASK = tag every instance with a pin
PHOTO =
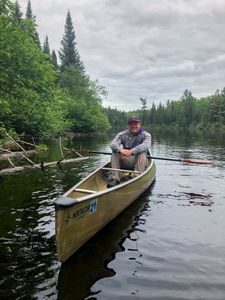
x=11, y=154
x=20, y=154
x=39, y=166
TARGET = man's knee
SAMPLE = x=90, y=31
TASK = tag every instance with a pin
x=115, y=159
x=128, y=162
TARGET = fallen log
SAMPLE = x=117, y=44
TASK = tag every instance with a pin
x=5, y=156
x=24, y=156
x=40, y=166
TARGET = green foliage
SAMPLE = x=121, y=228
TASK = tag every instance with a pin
x=18, y=13
x=22, y=62
x=30, y=100
x=32, y=20
x=6, y=142
x=27, y=79
x=46, y=48
x=79, y=85
x=117, y=119
x=188, y=111
x=54, y=59
x=34, y=115
x=29, y=14
x=73, y=81
x=217, y=108
x=6, y=8
x=87, y=117
x=41, y=148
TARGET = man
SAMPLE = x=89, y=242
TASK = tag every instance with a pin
x=129, y=149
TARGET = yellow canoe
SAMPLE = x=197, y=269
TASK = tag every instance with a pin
x=89, y=205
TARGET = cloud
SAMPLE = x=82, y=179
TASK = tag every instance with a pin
x=152, y=49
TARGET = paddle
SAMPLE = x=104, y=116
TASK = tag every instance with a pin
x=185, y=161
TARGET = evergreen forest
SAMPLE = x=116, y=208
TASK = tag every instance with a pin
x=40, y=97
x=206, y=113
x=189, y=112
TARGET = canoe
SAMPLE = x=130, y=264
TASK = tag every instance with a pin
x=89, y=205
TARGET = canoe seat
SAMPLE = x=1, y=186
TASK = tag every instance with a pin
x=85, y=191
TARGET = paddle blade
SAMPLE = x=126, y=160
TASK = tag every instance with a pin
x=198, y=162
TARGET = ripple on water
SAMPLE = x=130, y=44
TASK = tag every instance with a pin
x=154, y=272
x=167, y=248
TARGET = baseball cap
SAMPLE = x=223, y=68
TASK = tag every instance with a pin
x=133, y=119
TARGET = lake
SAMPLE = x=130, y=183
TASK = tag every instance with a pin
x=169, y=244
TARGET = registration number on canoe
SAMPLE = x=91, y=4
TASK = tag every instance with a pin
x=81, y=212
x=93, y=206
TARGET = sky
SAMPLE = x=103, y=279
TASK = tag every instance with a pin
x=154, y=49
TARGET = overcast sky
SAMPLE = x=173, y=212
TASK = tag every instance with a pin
x=142, y=48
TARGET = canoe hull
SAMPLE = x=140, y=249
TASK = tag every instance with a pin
x=76, y=224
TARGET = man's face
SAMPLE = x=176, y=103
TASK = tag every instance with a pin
x=134, y=126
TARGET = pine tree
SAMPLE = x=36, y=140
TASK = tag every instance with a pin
x=187, y=104
x=153, y=114
x=144, y=103
x=18, y=13
x=54, y=59
x=69, y=54
x=32, y=18
x=46, y=48
x=37, y=40
x=29, y=14
x=143, y=109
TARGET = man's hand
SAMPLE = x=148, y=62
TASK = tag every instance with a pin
x=126, y=152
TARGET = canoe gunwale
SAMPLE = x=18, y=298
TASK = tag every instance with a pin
x=65, y=202
x=83, y=217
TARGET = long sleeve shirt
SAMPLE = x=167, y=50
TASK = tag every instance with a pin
x=136, y=143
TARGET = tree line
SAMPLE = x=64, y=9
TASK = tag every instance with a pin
x=187, y=112
x=38, y=95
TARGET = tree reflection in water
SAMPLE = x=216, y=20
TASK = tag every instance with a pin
x=90, y=263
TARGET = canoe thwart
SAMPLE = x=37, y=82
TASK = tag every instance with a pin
x=63, y=202
x=121, y=170
x=85, y=191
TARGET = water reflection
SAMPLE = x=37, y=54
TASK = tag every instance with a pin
x=27, y=247
x=168, y=245
x=90, y=264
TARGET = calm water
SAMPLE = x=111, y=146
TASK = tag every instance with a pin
x=169, y=244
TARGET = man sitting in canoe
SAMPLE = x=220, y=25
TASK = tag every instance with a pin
x=129, y=150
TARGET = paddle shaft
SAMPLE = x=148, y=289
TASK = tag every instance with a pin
x=163, y=158
x=185, y=161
